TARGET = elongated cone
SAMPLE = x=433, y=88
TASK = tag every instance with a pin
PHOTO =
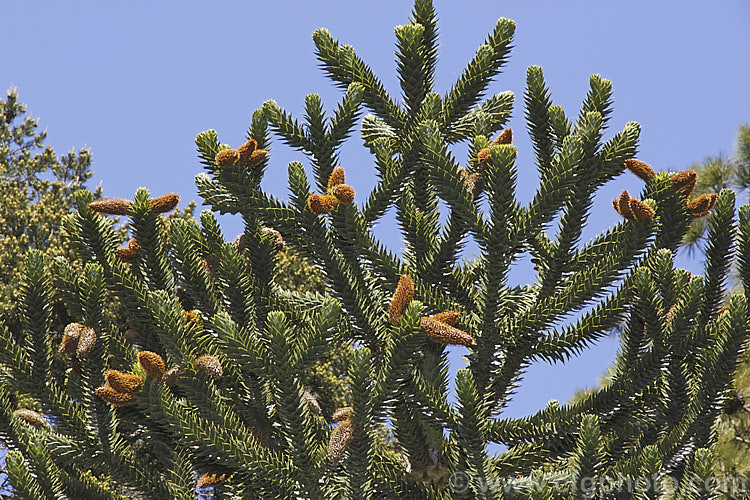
x=245, y=152
x=123, y=382
x=164, y=203
x=641, y=169
x=226, y=158
x=130, y=252
x=448, y=317
x=343, y=193
x=70, y=338
x=505, y=137
x=337, y=177
x=258, y=157
x=484, y=156
x=641, y=211
x=622, y=205
x=312, y=403
x=207, y=480
x=170, y=378
x=152, y=364
x=320, y=204
x=86, y=343
x=111, y=206
x=684, y=182
x=30, y=417
x=114, y=397
x=341, y=437
x=209, y=364
x=278, y=240
x=702, y=205
x=342, y=414
x=403, y=295
x=445, y=334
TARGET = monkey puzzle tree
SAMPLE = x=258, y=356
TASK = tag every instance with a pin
x=212, y=383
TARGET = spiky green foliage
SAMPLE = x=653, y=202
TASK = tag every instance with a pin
x=240, y=408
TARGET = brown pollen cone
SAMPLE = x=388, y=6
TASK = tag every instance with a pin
x=164, y=203
x=337, y=177
x=342, y=414
x=123, y=382
x=312, y=403
x=245, y=151
x=86, y=343
x=401, y=297
x=320, y=204
x=114, y=397
x=622, y=205
x=445, y=334
x=474, y=184
x=641, y=169
x=448, y=317
x=31, y=417
x=152, y=364
x=258, y=157
x=641, y=211
x=129, y=253
x=70, y=338
x=130, y=336
x=343, y=193
x=193, y=317
x=278, y=240
x=226, y=158
x=341, y=438
x=111, y=206
x=484, y=156
x=210, y=365
x=702, y=205
x=207, y=480
x=170, y=378
x=505, y=137
x=684, y=181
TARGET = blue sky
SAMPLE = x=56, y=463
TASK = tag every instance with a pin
x=137, y=81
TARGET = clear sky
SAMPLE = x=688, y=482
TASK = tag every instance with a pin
x=136, y=81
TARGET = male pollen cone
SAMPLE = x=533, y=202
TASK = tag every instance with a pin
x=123, y=382
x=70, y=338
x=164, y=203
x=505, y=137
x=343, y=193
x=402, y=296
x=207, y=480
x=86, y=342
x=114, y=397
x=448, y=317
x=622, y=205
x=258, y=157
x=111, y=206
x=129, y=253
x=484, y=156
x=342, y=414
x=245, y=151
x=341, y=437
x=226, y=158
x=641, y=211
x=445, y=334
x=337, y=177
x=210, y=365
x=152, y=364
x=320, y=204
x=702, y=205
x=684, y=181
x=30, y=417
x=641, y=169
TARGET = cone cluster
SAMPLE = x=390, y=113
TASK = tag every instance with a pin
x=120, y=206
x=632, y=208
x=248, y=154
x=338, y=193
x=78, y=340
